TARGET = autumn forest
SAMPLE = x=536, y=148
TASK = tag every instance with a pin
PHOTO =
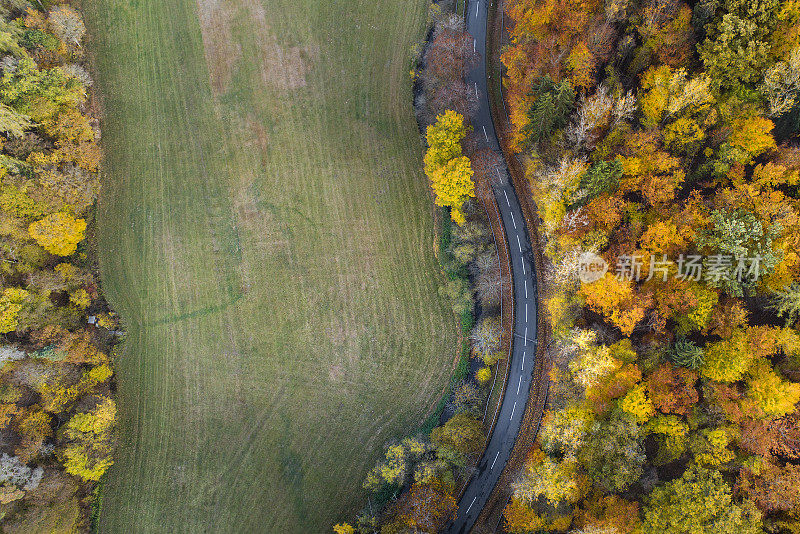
x=655, y=145
x=662, y=136
x=57, y=412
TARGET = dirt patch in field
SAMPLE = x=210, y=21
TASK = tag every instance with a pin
x=282, y=67
x=222, y=53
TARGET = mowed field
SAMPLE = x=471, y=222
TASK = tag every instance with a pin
x=266, y=234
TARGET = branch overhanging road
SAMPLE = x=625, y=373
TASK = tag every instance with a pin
x=523, y=352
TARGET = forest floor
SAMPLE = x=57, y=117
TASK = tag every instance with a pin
x=266, y=234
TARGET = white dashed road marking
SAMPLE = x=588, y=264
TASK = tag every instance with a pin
x=476, y=9
x=485, y=134
x=507, y=202
x=523, y=360
x=476, y=89
x=526, y=284
x=495, y=459
x=518, y=385
x=519, y=244
x=513, y=409
x=514, y=222
x=526, y=312
x=470, y=504
x=474, y=44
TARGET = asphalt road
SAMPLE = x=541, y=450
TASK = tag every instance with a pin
x=523, y=351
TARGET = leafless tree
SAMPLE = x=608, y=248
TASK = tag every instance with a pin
x=489, y=165
x=447, y=58
x=782, y=84
x=466, y=398
x=488, y=279
x=456, y=96
x=591, y=120
x=485, y=336
x=67, y=25
x=15, y=472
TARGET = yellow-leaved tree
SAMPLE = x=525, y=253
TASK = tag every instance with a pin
x=89, y=441
x=450, y=172
x=11, y=303
x=59, y=233
x=637, y=404
x=768, y=394
x=453, y=185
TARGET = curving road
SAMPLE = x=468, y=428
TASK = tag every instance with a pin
x=523, y=352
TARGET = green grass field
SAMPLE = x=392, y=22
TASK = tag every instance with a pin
x=266, y=233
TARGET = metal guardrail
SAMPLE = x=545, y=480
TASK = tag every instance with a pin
x=510, y=341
